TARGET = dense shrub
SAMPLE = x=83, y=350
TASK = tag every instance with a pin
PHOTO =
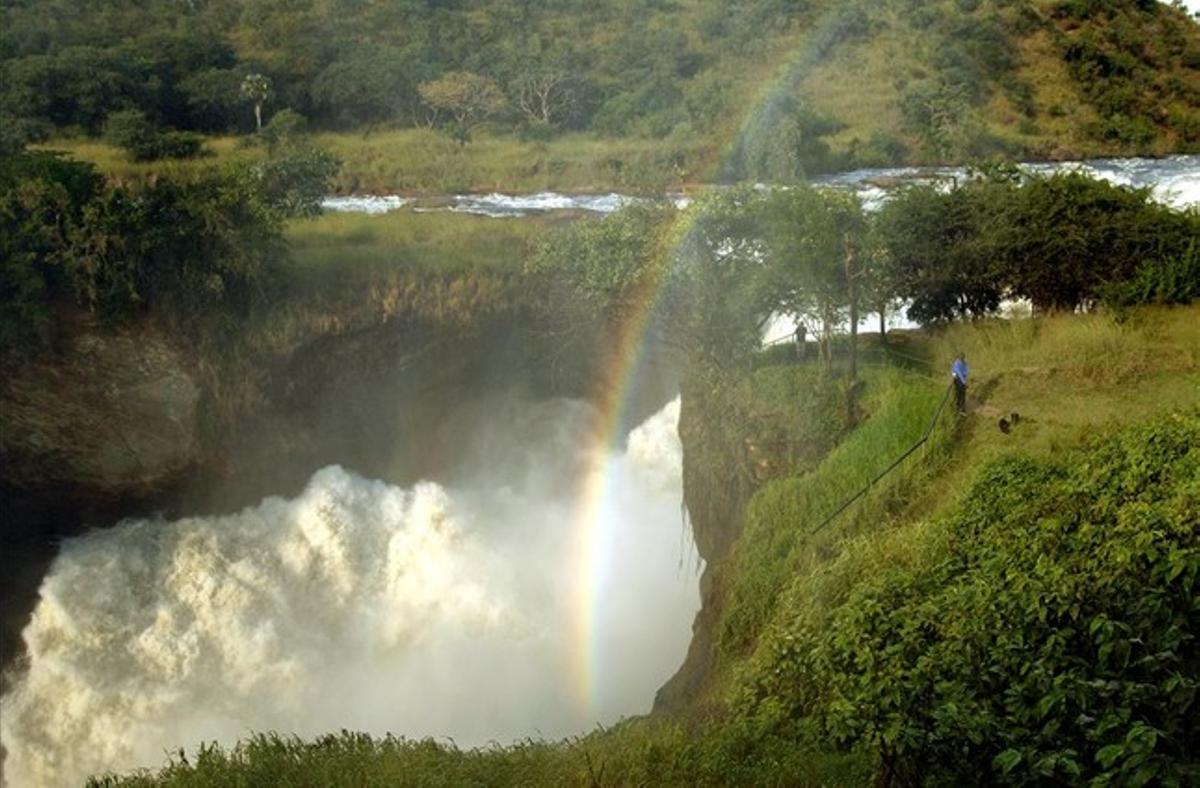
x=42, y=196
x=189, y=247
x=1046, y=628
x=1062, y=241
x=134, y=133
x=1173, y=280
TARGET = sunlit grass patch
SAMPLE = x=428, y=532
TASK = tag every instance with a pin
x=427, y=161
x=440, y=241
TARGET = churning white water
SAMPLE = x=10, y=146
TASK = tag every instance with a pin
x=424, y=612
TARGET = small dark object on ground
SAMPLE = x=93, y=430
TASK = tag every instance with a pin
x=1014, y=417
x=1004, y=426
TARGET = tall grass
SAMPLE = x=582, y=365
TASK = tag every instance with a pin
x=634, y=752
x=116, y=163
x=780, y=539
x=1095, y=349
x=425, y=161
x=430, y=241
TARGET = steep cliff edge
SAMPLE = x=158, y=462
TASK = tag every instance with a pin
x=717, y=485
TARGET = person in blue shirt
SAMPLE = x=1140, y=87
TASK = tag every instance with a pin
x=959, y=373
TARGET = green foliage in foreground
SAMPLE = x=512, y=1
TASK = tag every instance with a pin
x=1044, y=631
x=634, y=752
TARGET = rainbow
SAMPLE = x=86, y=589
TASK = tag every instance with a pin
x=592, y=547
x=592, y=554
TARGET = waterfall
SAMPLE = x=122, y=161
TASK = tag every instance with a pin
x=427, y=611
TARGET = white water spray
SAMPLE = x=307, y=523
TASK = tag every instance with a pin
x=360, y=605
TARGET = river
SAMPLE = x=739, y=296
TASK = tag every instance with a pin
x=1175, y=180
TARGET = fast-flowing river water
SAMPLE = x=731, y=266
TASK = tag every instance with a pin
x=493, y=610
x=1174, y=180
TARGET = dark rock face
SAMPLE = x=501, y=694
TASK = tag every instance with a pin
x=718, y=482
x=113, y=415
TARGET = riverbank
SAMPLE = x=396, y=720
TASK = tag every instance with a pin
x=428, y=164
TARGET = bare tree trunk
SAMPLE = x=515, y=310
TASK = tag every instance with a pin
x=883, y=322
x=852, y=293
x=258, y=115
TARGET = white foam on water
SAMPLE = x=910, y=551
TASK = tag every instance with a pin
x=1174, y=180
x=423, y=611
x=364, y=203
x=498, y=205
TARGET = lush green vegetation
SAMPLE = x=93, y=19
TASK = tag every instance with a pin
x=1128, y=80
x=917, y=637
x=198, y=246
x=1044, y=630
x=612, y=93
x=189, y=248
x=1062, y=242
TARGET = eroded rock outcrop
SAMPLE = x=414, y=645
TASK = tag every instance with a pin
x=112, y=414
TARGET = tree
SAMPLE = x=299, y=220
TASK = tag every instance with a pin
x=465, y=96
x=544, y=95
x=213, y=98
x=367, y=85
x=1060, y=239
x=143, y=141
x=939, y=252
x=256, y=89
x=294, y=179
x=814, y=238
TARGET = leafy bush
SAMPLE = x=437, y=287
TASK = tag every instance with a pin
x=1175, y=280
x=286, y=127
x=294, y=180
x=1046, y=628
x=133, y=132
x=195, y=247
x=1061, y=241
x=42, y=196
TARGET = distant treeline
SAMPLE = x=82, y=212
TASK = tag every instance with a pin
x=651, y=68
x=612, y=65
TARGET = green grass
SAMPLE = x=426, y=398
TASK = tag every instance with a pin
x=114, y=161
x=439, y=242
x=424, y=161
x=780, y=541
x=633, y=752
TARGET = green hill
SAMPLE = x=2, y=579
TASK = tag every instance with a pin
x=751, y=89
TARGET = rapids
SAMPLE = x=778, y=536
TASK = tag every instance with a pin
x=1174, y=180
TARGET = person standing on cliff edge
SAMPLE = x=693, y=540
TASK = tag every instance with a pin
x=958, y=372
